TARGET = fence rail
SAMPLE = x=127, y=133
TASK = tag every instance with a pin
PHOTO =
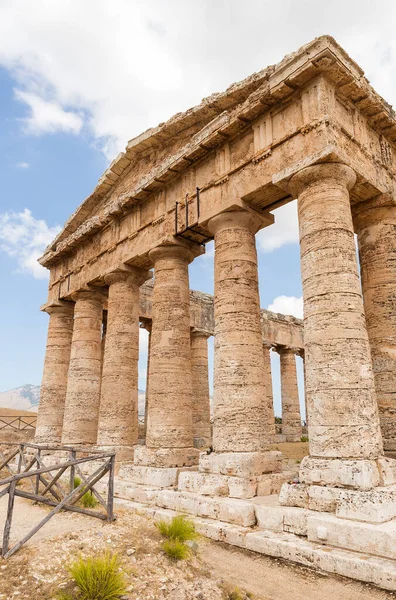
x=17, y=422
x=55, y=484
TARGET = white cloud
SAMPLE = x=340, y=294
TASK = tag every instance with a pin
x=283, y=231
x=47, y=117
x=287, y=305
x=127, y=65
x=23, y=165
x=24, y=238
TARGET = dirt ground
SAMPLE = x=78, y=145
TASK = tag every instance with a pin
x=37, y=571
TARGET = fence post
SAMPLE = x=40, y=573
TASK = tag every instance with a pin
x=37, y=487
x=110, y=491
x=7, y=526
x=72, y=456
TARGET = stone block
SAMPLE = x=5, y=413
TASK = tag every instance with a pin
x=238, y=512
x=387, y=470
x=368, y=538
x=165, y=457
x=282, y=518
x=357, y=474
x=203, y=483
x=271, y=483
x=375, y=506
x=151, y=476
x=241, y=464
x=323, y=499
x=362, y=567
x=294, y=494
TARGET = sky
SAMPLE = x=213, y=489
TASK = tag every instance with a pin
x=79, y=79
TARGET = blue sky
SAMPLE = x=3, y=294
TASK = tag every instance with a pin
x=77, y=80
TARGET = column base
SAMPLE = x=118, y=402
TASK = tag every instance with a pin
x=166, y=457
x=241, y=464
x=122, y=453
x=359, y=474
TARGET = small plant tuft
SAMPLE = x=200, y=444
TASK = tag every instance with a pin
x=304, y=438
x=179, y=528
x=175, y=549
x=89, y=500
x=77, y=481
x=98, y=577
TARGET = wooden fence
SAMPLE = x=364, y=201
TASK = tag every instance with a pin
x=18, y=422
x=54, y=485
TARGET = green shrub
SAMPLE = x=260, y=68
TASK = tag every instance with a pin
x=179, y=528
x=98, y=577
x=89, y=500
x=175, y=549
x=77, y=481
x=304, y=438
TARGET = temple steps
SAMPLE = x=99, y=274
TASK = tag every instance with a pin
x=288, y=546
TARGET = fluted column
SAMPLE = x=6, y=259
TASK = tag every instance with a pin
x=375, y=225
x=56, y=367
x=242, y=421
x=169, y=438
x=80, y=422
x=343, y=414
x=291, y=417
x=200, y=389
x=118, y=415
x=269, y=396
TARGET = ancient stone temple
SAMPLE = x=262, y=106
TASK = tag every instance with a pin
x=310, y=128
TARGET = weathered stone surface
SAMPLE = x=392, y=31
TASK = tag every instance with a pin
x=291, y=417
x=56, y=367
x=294, y=494
x=343, y=416
x=241, y=419
x=358, y=474
x=241, y=464
x=80, y=425
x=165, y=457
x=200, y=386
x=375, y=506
x=118, y=415
x=375, y=539
x=169, y=420
x=375, y=225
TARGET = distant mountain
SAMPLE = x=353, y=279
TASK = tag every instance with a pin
x=25, y=397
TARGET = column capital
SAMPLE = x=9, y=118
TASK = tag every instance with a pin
x=309, y=176
x=128, y=274
x=176, y=248
x=59, y=307
x=238, y=217
x=95, y=294
x=286, y=350
x=200, y=333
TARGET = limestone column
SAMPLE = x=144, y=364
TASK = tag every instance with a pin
x=291, y=416
x=80, y=422
x=169, y=439
x=118, y=414
x=269, y=396
x=242, y=421
x=343, y=414
x=56, y=367
x=375, y=225
x=200, y=387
